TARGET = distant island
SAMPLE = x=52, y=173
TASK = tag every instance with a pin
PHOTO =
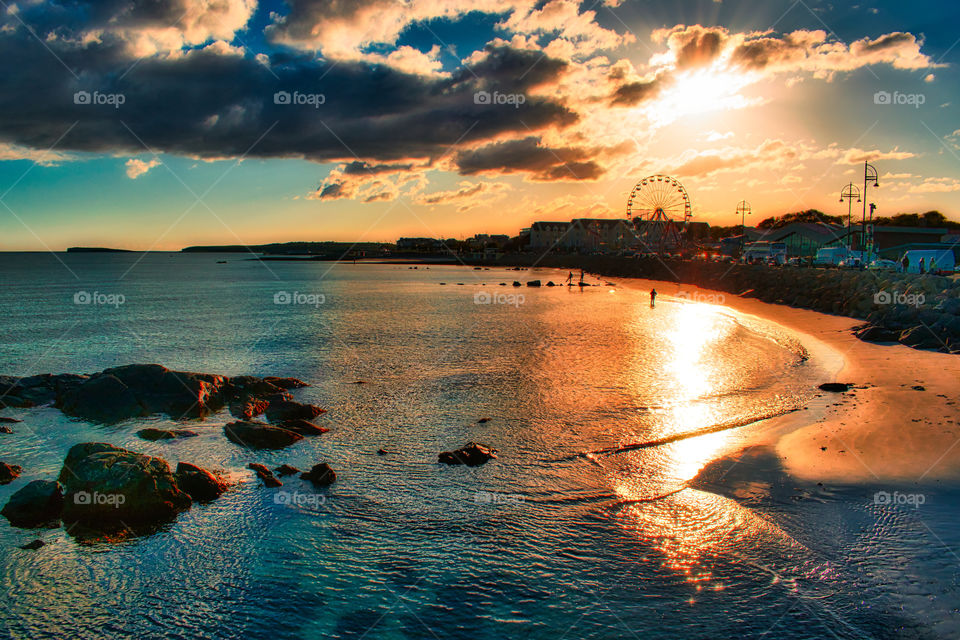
x=96, y=250
x=315, y=250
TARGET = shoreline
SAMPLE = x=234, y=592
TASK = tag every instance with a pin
x=882, y=431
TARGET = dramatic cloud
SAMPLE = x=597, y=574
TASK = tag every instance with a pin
x=529, y=156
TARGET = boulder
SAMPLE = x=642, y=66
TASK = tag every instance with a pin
x=257, y=435
x=153, y=435
x=471, y=454
x=103, y=398
x=265, y=474
x=34, y=545
x=9, y=473
x=248, y=408
x=198, y=483
x=286, y=470
x=179, y=394
x=4, y=420
x=36, y=505
x=303, y=427
x=876, y=333
x=282, y=410
x=105, y=486
x=320, y=474
x=835, y=387
x=240, y=387
x=5, y=429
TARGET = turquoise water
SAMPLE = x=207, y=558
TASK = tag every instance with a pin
x=541, y=542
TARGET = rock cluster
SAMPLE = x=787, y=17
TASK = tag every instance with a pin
x=103, y=488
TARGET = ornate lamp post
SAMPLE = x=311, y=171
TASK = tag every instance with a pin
x=848, y=193
x=869, y=175
x=743, y=208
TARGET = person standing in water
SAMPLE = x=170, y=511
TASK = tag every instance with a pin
x=653, y=298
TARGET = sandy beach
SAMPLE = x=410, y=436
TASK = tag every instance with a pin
x=900, y=424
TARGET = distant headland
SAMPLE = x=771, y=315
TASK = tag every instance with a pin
x=96, y=250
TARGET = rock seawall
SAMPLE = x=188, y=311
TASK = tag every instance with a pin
x=921, y=311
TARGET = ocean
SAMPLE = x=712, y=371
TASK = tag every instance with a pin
x=562, y=536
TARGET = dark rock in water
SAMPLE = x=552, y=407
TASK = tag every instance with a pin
x=471, y=454
x=5, y=429
x=153, y=435
x=179, y=394
x=198, y=483
x=265, y=474
x=9, y=473
x=286, y=383
x=320, y=474
x=517, y=284
x=258, y=435
x=9, y=420
x=483, y=420
x=34, y=545
x=248, y=408
x=918, y=387
x=36, y=505
x=360, y=382
x=244, y=387
x=101, y=399
x=533, y=283
x=382, y=452
x=550, y=283
x=291, y=410
x=835, y=387
x=106, y=486
x=286, y=470
x=303, y=427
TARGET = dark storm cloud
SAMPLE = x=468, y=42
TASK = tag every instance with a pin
x=215, y=103
x=632, y=93
x=528, y=155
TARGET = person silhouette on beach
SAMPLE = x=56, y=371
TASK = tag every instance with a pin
x=921, y=265
x=653, y=298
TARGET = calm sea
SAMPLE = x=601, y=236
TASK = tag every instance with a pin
x=541, y=543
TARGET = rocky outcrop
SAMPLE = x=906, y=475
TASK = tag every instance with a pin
x=9, y=473
x=153, y=434
x=36, y=505
x=199, y=484
x=138, y=390
x=105, y=485
x=320, y=474
x=471, y=454
x=283, y=410
x=257, y=435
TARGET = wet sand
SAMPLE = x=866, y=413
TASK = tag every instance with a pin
x=884, y=430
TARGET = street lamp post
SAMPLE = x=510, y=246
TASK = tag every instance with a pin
x=743, y=208
x=848, y=193
x=869, y=175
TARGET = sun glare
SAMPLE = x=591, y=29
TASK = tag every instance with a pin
x=701, y=91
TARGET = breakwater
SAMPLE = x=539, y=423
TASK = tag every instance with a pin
x=921, y=311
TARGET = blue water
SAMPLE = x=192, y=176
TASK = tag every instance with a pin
x=540, y=543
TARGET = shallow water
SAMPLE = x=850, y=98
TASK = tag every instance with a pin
x=542, y=542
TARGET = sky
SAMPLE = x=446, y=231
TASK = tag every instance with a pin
x=158, y=124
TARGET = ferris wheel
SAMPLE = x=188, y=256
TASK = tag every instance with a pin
x=660, y=210
x=659, y=198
